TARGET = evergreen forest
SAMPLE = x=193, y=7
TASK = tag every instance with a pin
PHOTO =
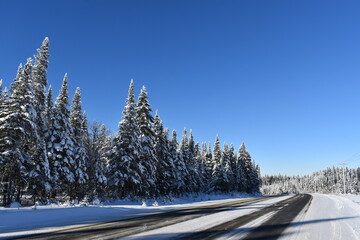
x=50, y=153
x=331, y=180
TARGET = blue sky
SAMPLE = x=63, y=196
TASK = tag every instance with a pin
x=283, y=76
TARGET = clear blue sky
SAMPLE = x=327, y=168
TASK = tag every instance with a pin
x=283, y=76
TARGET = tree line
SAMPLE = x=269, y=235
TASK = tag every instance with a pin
x=330, y=180
x=48, y=150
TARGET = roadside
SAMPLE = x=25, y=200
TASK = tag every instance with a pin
x=328, y=217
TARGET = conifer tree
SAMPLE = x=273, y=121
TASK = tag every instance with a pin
x=204, y=150
x=61, y=145
x=242, y=172
x=124, y=173
x=17, y=132
x=217, y=172
x=182, y=160
x=227, y=170
x=208, y=161
x=190, y=163
x=80, y=135
x=179, y=165
x=233, y=164
x=199, y=166
x=165, y=164
x=99, y=147
x=40, y=183
x=146, y=155
x=251, y=180
x=104, y=145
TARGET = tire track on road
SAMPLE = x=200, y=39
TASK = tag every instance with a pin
x=130, y=226
x=284, y=212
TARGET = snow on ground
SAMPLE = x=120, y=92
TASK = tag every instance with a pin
x=27, y=220
x=329, y=217
x=204, y=222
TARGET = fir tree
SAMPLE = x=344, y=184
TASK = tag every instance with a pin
x=40, y=183
x=242, y=171
x=17, y=132
x=182, y=160
x=60, y=144
x=165, y=178
x=194, y=177
x=208, y=158
x=179, y=188
x=199, y=166
x=124, y=173
x=233, y=176
x=217, y=172
x=80, y=135
x=251, y=182
x=227, y=169
x=104, y=145
x=41, y=170
x=99, y=146
x=146, y=155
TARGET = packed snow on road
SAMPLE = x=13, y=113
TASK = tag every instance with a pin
x=326, y=217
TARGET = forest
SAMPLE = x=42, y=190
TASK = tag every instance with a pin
x=331, y=180
x=50, y=153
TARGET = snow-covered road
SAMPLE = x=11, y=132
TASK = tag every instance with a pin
x=329, y=217
x=326, y=217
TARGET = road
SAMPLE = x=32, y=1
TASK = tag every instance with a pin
x=277, y=215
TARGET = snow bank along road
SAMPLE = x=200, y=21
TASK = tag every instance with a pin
x=251, y=218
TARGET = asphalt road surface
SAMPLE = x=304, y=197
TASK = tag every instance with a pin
x=284, y=212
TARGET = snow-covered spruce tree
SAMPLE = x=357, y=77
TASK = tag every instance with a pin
x=209, y=162
x=228, y=173
x=199, y=167
x=252, y=181
x=100, y=145
x=241, y=172
x=172, y=154
x=40, y=180
x=124, y=171
x=60, y=145
x=181, y=163
x=217, y=183
x=80, y=137
x=50, y=122
x=165, y=177
x=204, y=150
x=179, y=188
x=17, y=132
x=233, y=165
x=190, y=163
x=147, y=156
